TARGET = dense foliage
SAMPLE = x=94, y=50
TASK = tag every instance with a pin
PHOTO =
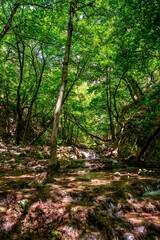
x=113, y=66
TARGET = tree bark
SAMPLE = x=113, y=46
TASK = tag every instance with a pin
x=78, y=74
x=42, y=132
x=32, y=102
x=19, y=107
x=53, y=157
x=109, y=103
x=75, y=121
x=137, y=94
x=8, y=24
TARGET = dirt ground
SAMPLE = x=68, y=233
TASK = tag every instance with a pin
x=85, y=200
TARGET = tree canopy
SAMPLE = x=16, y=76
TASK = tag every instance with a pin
x=105, y=52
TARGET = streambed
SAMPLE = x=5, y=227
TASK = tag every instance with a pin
x=89, y=199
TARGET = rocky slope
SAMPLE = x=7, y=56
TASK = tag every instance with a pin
x=140, y=136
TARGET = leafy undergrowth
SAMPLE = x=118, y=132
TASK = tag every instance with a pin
x=78, y=203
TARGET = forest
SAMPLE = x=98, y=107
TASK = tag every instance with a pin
x=80, y=119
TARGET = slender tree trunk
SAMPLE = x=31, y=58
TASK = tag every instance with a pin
x=78, y=74
x=94, y=137
x=8, y=24
x=53, y=158
x=42, y=132
x=7, y=117
x=118, y=117
x=109, y=104
x=32, y=102
x=19, y=107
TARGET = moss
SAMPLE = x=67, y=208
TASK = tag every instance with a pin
x=64, y=163
x=24, y=205
x=55, y=235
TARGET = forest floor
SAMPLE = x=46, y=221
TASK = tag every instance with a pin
x=88, y=199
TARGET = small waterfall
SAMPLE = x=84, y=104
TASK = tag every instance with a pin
x=91, y=154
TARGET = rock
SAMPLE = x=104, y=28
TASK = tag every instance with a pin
x=118, y=174
x=92, y=236
x=129, y=236
x=140, y=232
x=149, y=207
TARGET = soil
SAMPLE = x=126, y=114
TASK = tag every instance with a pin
x=88, y=199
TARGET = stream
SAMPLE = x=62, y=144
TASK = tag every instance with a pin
x=89, y=199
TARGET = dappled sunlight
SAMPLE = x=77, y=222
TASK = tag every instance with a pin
x=78, y=203
x=97, y=182
x=2, y=151
x=42, y=213
x=71, y=188
x=25, y=176
x=2, y=208
x=64, y=180
x=143, y=218
x=69, y=232
x=80, y=120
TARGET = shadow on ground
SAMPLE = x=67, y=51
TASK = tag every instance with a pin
x=84, y=202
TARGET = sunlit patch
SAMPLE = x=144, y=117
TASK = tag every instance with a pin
x=141, y=218
x=25, y=176
x=53, y=186
x=2, y=208
x=42, y=214
x=63, y=180
x=2, y=150
x=14, y=152
x=70, y=232
x=67, y=199
x=80, y=172
x=96, y=182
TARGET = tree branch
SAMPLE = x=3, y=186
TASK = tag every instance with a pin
x=8, y=24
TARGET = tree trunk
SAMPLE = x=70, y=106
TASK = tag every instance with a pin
x=137, y=92
x=53, y=158
x=42, y=132
x=8, y=24
x=32, y=102
x=109, y=103
x=19, y=107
